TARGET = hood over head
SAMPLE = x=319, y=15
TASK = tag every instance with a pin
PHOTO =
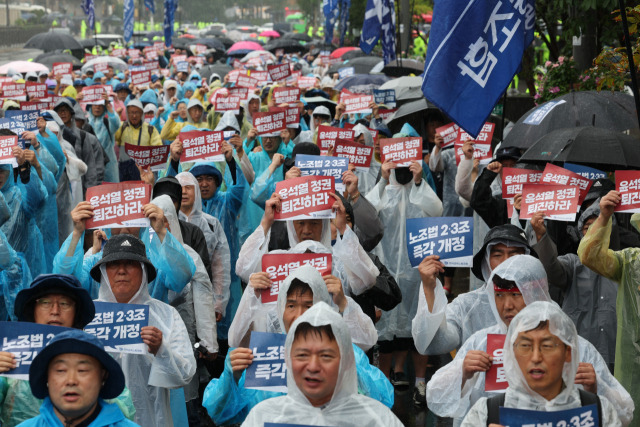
x=165, y=203
x=228, y=120
x=187, y=178
x=306, y=274
x=325, y=236
x=361, y=129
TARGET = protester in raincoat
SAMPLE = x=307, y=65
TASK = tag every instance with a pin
x=14, y=271
x=336, y=403
x=50, y=378
x=195, y=117
x=105, y=123
x=169, y=362
x=517, y=282
x=227, y=400
x=367, y=178
x=191, y=211
x=622, y=267
x=541, y=316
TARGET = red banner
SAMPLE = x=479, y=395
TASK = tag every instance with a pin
x=553, y=174
x=481, y=145
x=628, y=184
x=328, y=135
x=292, y=115
x=307, y=82
x=279, y=72
x=92, y=95
x=358, y=154
x=356, y=103
x=286, y=95
x=34, y=106
x=7, y=142
x=401, y=151
x=119, y=53
x=242, y=92
x=13, y=90
x=100, y=67
x=61, y=69
x=513, y=179
x=141, y=78
x=133, y=53
x=279, y=266
x=306, y=197
x=36, y=90
x=118, y=205
x=449, y=133
x=228, y=103
x=385, y=114
x=199, y=145
x=246, y=81
x=270, y=123
x=495, y=378
x=148, y=157
x=558, y=202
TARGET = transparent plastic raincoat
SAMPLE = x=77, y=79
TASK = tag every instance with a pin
x=395, y=203
x=105, y=126
x=48, y=212
x=150, y=378
x=623, y=267
x=366, y=178
x=216, y=244
x=228, y=402
x=346, y=407
x=519, y=394
x=445, y=395
x=14, y=274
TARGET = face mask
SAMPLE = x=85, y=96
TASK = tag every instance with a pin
x=403, y=175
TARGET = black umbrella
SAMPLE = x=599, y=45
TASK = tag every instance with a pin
x=614, y=111
x=89, y=43
x=181, y=42
x=288, y=45
x=403, y=67
x=53, y=41
x=361, y=65
x=211, y=43
x=226, y=41
x=601, y=148
x=219, y=69
x=297, y=36
x=353, y=54
x=316, y=48
x=50, y=57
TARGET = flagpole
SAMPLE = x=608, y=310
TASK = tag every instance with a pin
x=632, y=66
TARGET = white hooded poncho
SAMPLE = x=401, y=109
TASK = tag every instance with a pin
x=346, y=408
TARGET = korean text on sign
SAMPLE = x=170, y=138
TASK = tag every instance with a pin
x=585, y=171
x=118, y=326
x=358, y=154
x=199, y=145
x=401, y=151
x=7, y=142
x=228, y=103
x=558, y=202
x=148, y=157
x=268, y=370
x=279, y=72
x=449, y=134
x=286, y=95
x=385, y=96
x=118, y=205
x=141, y=78
x=356, y=103
x=279, y=266
x=451, y=238
x=513, y=179
x=584, y=416
x=270, y=123
x=628, y=184
x=495, y=379
x=306, y=197
x=328, y=135
x=323, y=166
x=553, y=174
x=292, y=115
x=36, y=90
x=25, y=340
x=481, y=144
x=61, y=69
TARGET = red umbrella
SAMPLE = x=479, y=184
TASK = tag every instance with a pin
x=341, y=51
x=248, y=46
x=270, y=33
x=187, y=36
x=427, y=17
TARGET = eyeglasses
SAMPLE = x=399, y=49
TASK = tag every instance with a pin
x=63, y=304
x=524, y=348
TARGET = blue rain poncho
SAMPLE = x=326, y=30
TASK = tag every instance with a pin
x=174, y=266
x=110, y=415
x=228, y=402
x=14, y=275
x=48, y=212
x=106, y=134
x=24, y=202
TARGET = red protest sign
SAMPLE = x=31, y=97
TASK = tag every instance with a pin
x=449, y=133
x=88, y=57
x=133, y=53
x=13, y=90
x=36, y=90
x=356, y=103
x=286, y=95
x=119, y=53
x=327, y=136
x=7, y=142
x=373, y=132
x=558, y=202
x=307, y=82
x=385, y=114
x=141, y=78
x=553, y=174
x=148, y=157
x=152, y=66
x=402, y=151
x=513, y=179
x=237, y=65
x=34, y=106
x=201, y=48
x=246, y=81
x=358, y=154
x=233, y=76
x=495, y=379
x=101, y=67
x=61, y=69
x=261, y=77
x=118, y=205
x=270, y=123
x=279, y=266
x=279, y=72
x=93, y=95
x=228, y=103
x=628, y=184
x=292, y=115
x=198, y=145
x=242, y=92
x=481, y=144
x=178, y=58
x=306, y=197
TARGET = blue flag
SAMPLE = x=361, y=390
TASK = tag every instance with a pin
x=475, y=49
x=128, y=20
x=344, y=17
x=379, y=21
x=88, y=7
x=330, y=10
x=170, y=7
x=151, y=5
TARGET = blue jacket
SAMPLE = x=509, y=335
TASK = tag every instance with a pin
x=110, y=416
x=107, y=137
